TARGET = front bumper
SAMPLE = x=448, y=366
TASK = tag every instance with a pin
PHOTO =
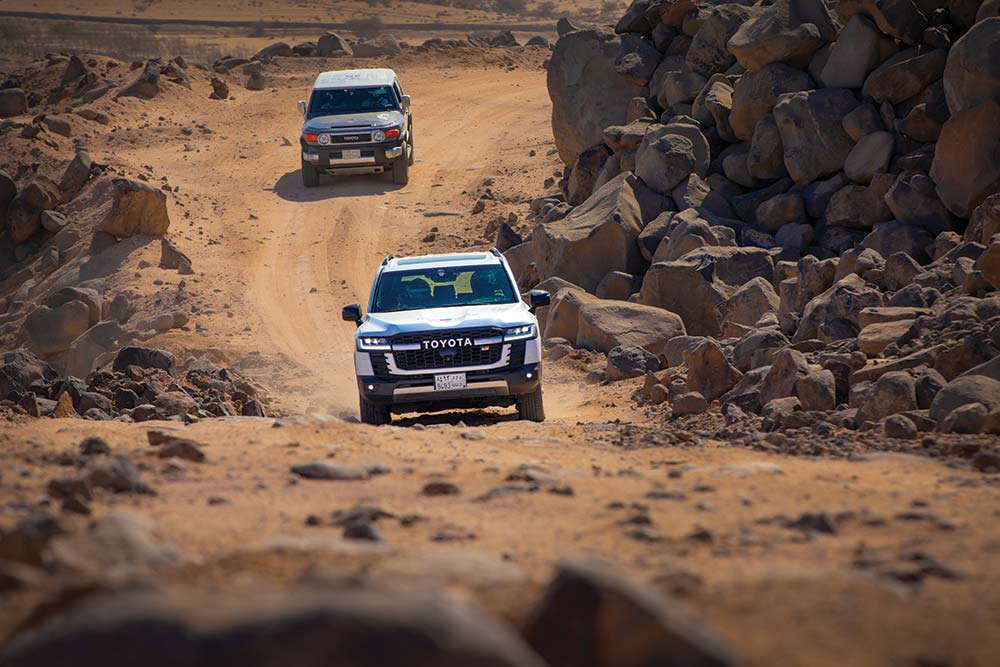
x=373, y=157
x=417, y=394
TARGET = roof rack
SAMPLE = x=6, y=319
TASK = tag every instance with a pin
x=388, y=258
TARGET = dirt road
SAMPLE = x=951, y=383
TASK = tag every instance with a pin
x=796, y=560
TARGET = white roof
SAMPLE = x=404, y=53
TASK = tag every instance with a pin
x=355, y=77
x=448, y=260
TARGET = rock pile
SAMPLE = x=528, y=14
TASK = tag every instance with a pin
x=807, y=191
x=332, y=45
x=137, y=384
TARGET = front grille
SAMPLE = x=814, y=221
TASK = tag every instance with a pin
x=457, y=357
x=475, y=355
x=357, y=138
x=379, y=364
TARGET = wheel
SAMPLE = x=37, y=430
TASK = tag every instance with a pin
x=410, y=159
x=401, y=170
x=310, y=175
x=530, y=407
x=375, y=414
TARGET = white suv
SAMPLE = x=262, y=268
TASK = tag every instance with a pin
x=445, y=332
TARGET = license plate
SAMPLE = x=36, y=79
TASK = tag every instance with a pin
x=449, y=382
x=351, y=154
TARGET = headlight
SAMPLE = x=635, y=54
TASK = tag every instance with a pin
x=324, y=140
x=373, y=344
x=378, y=135
x=522, y=332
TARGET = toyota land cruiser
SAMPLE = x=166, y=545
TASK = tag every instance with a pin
x=445, y=332
x=356, y=122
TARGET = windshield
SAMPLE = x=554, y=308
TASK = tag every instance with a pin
x=352, y=101
x=440, y=288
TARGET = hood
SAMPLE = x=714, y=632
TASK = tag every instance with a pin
x=357, y=120
x=445, y=319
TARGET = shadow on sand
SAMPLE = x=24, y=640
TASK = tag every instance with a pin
x=289, y=187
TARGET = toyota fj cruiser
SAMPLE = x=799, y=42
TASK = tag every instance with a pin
x=445, y=332
x=356, y=122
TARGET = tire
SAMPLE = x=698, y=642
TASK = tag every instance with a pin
x=376, y=414
x=530, y=407
x=410, y=159
x=401, y=170
x=310, y=175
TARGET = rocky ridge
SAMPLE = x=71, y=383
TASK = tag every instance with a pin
x=803, y=191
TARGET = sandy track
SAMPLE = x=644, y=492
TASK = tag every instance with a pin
x=341, y=230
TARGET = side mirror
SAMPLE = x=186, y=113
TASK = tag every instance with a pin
x=351, y=313
x=538, y=298
x=404, y=102
x=302, y=107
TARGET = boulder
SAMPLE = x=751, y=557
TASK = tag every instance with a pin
x=13, y=102
x=972, y=73
x=276, y=50
x=708, y=53
x=860, y=206
x=220, y=89
x=637, y=59
x=913, y=200
x=756, y=93
x=171, y=257
x=382, y=45
x=331, y=44
x=870, y=156
x=892, y=393
x=596, y=238
x=629, y=361
x=843, y=301
x=606, y=324
x=813, y=137
x=585, y=173
x=76, y=175
x=19, y=369
x=864, y=120
x=668, y=155
x=965, y=168
x=709, y=372
x=588, y=93
x=563, y=317
x=989, y=262
x=901, y=19
x=143, y=357
x=780, y=210
x=787, y=31
x=258, y=626
x=50, y=331
x=147, y=85
x=817, y=390
x=874, y=338
x=653, y=234
x=696, y=285
x=904, y=75
x=787, y=367
x=87, y=348
x=766, y=157
x=859, y=49
x=749, y=303
x=591, y=616
x=618, y=285
x=257, y=81
x=137, y=209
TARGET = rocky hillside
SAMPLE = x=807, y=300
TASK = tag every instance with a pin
x=785, y=212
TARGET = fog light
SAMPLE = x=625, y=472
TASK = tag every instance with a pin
x=392, y=153
x=312, y=157
x=528, y=375
x=371, y=387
